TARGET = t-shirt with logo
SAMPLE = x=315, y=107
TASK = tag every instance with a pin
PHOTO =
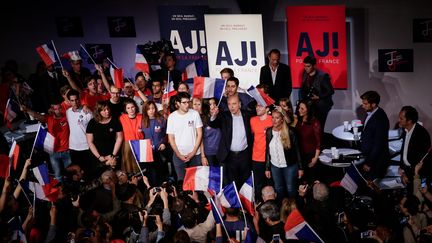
x=104, y=135
x=78, y=121
x=183, y=127
x=59, y=128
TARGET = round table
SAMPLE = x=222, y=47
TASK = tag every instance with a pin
x=340, y=133
x=326, y=157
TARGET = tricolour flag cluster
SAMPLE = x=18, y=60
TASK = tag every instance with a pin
x=247, y=195
x=11, y=112
x=296, y=228
x=47, y=53
x=142, y=150
x=203, y=178
x=44, y=141
x=262, y=98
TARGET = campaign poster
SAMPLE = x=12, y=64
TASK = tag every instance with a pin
x=318, y=31
x=422, y=30
x=121, y=26
x=184, y=27
x=235, y=41
x=395, y=60
x=98, y=52
x=69, y=27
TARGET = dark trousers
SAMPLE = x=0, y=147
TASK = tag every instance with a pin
x=259, y=178
x=86, y=160
x=237, y=167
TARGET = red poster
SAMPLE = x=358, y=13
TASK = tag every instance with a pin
x=318, y=31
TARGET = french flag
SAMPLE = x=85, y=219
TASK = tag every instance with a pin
x=262, y=98
x=246, y=194
x=142, y=150
x=140, y=61
x=216, y=211
x=195, y=69
x=14, y=153
x=117, y=76
x=4, y=166
x=44, y=141
x=228, y=197
x=48, y=192
x=208, y=87
x=17, y=231
x=203, y=178
x=41, y=174
x=11, y=112
x=46, y=52
x=169, y=90
x=296, y=228
x=72, y=55
x=352, y=179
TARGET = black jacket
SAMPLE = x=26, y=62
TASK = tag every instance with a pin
x=283, y=85
x=292, y=155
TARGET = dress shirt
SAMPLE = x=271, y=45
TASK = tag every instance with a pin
x=277, y=155
x=407, y=140
x=369, y=115
x=239, y=140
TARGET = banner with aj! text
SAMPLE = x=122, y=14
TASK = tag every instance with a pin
x=235, y=41
x=318, y=31
x=184, y=27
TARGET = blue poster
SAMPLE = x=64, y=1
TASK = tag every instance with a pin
x=184, y=27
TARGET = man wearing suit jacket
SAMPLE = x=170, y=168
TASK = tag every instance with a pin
x=277, y=76
x=415, y=144
x=236, y=143
x=374, y=137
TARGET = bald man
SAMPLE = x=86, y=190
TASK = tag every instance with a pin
x=235, y=146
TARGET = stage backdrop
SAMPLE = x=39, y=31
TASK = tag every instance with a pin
x=318, y=31
x=235, y=41
x=184, y=27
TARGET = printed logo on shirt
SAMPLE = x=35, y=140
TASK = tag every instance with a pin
x=111, y=130
x=191, y=123
x=63, y=124
x=157, y=129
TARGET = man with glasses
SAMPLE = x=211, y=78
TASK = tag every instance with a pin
x=115, y=102
x=184, y=131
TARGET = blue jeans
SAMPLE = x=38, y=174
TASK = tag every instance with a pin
x=59, y=161
x=180, y=166
x=285, y=180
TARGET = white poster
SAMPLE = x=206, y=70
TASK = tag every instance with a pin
x=235, y=41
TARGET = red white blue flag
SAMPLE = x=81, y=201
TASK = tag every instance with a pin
x=247, y=195
x=296, y=228
x=261, y=98
x=44, y=141
x=142, y=150
x=47, y=53
x=140, y=61
x=195, y=69
x=208, y=87
x=117, y=76
x=203, y=178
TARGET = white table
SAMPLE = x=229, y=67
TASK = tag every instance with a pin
x=340, y=133
x=326, y=157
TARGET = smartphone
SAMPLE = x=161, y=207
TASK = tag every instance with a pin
x=276, y=238
x=423, y=183
x=156, y=190
x=366, y=234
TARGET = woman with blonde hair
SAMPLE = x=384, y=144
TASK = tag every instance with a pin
x=283, y=162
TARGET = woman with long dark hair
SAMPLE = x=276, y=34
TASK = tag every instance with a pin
x=309, y=131
x=154, y=128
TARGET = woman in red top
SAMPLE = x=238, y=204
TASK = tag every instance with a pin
x=309, y=131
x=131, y=122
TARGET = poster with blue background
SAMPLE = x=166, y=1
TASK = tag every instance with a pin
x=184, y=27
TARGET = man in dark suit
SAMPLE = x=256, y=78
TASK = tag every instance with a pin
x=316, y=86
x=236, y=143
x=374, y=137
x=277, y=76
x=415, y=144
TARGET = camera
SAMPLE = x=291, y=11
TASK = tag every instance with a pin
x=366, y=234
x=131, y=175
x=156, y=190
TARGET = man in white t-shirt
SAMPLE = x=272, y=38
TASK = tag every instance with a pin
x=184, y=131
x=78, y=120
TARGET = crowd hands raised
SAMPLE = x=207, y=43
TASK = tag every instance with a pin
x=104, y=195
